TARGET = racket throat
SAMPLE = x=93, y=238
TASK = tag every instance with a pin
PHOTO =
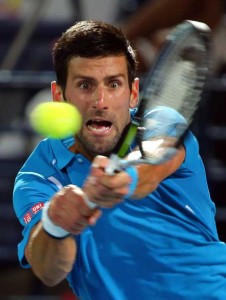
x=130, y=136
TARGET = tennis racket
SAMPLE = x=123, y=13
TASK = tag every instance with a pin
x=172, y=94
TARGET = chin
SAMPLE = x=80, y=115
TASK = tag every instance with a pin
x=105, y=151
x=98, y=146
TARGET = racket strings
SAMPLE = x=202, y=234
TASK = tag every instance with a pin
x=179, y=83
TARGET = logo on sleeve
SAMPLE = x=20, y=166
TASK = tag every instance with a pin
x=27, y=217
x=36, y=208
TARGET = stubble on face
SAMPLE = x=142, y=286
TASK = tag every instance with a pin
x=98, y=145
x=106, y=114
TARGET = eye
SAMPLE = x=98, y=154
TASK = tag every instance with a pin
x=115, y=84
x=86, y=85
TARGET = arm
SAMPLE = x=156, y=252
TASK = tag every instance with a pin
x=159, y=14
x=52, y=259
x=156, y=173
x=108, y=190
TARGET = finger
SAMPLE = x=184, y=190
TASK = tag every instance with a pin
x=69, y=219
x=106, y=194
x=109, y=195
x=94, y=217
x=116, y=181
x=78, y=199
x=75, y=223
x=80, y=226
x=98, y=166
x=100, y=162
x=71, y=210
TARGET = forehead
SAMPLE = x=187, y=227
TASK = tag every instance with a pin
x=105, y=66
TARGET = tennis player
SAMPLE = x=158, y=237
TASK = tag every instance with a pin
x=153, y=233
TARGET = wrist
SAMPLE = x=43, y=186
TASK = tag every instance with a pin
x=91, y=204
x=132, y=172
x=49, y=227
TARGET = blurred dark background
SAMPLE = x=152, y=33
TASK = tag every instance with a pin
x=28, y=30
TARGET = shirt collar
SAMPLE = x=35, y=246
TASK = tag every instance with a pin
x=61, y=152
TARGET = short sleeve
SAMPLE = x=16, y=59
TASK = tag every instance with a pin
x=36, y=190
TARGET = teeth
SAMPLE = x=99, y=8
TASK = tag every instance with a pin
x=101, y=129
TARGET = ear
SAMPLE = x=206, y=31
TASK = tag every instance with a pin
x=134, y=97
x=57, y=93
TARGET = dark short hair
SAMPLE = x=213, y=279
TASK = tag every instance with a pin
x=91, y=39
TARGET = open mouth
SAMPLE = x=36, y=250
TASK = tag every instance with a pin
x=99, y=126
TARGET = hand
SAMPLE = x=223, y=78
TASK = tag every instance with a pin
x=103, y=189
x=69, y=210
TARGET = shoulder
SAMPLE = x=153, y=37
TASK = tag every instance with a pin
x=47, y=153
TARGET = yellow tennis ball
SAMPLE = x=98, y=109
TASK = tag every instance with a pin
x=56, y=119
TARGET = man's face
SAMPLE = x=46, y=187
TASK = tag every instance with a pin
x=99, y=88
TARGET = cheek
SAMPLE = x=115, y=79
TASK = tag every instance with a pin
x=121, y=109
x=76, y=99
x=79, y=105
x=122, y=113
x=121, y=99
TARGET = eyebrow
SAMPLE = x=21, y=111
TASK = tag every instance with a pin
x=115, y=76
x=110, y=77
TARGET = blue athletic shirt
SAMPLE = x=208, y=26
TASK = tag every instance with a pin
x=164, y=246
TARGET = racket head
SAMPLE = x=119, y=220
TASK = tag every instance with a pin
x=173, y=91
x=171, y=95
x=178, y=76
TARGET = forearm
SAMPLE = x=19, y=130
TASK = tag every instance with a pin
x=159, y=14
x=155, y=15
x=149, y=176
x=51, y=259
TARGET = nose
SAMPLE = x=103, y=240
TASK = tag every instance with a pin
x=100, y=101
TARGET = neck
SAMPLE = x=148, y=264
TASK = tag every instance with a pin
x=78, y=148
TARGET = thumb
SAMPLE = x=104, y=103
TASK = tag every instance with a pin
x=98, y=166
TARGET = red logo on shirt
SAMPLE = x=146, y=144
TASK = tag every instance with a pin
x=37, y=207
x=28, y=216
